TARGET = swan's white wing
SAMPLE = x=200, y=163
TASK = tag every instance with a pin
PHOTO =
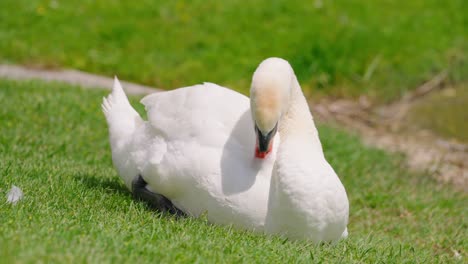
x=206, y=112
x=195, y=134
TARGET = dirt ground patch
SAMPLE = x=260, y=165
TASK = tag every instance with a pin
x=74, y=77
x=386, y=127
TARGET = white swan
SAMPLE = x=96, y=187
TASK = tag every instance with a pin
x=202, y=151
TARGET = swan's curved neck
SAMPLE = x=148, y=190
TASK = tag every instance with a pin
x=297, y=121
x=299, y=154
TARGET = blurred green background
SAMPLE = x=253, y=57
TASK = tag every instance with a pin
x=339, y=48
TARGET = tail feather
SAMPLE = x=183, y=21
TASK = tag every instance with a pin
x=121, y=117
x=116, y=98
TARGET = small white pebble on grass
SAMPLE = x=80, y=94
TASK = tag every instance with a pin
x=14, y=195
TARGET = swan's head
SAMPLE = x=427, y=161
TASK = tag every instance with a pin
x=269, y=100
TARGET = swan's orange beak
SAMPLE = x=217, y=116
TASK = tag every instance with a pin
x=264, y=143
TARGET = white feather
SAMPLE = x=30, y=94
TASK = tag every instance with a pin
x=14, y=195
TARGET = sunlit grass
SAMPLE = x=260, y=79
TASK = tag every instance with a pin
x=379, y=48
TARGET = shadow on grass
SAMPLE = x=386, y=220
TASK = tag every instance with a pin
x=108, y=185
x=113, y=186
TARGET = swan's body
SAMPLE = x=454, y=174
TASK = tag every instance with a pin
x=197, y=149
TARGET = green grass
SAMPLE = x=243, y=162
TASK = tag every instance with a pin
x=379, y=48
x=444, y=112
x=54, y=146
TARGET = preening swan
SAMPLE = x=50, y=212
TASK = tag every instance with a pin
x=255, y=164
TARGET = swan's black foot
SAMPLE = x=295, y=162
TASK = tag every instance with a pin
x=154, y=200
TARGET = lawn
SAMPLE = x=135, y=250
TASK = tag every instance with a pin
x=344, y=48
x=54, y=146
